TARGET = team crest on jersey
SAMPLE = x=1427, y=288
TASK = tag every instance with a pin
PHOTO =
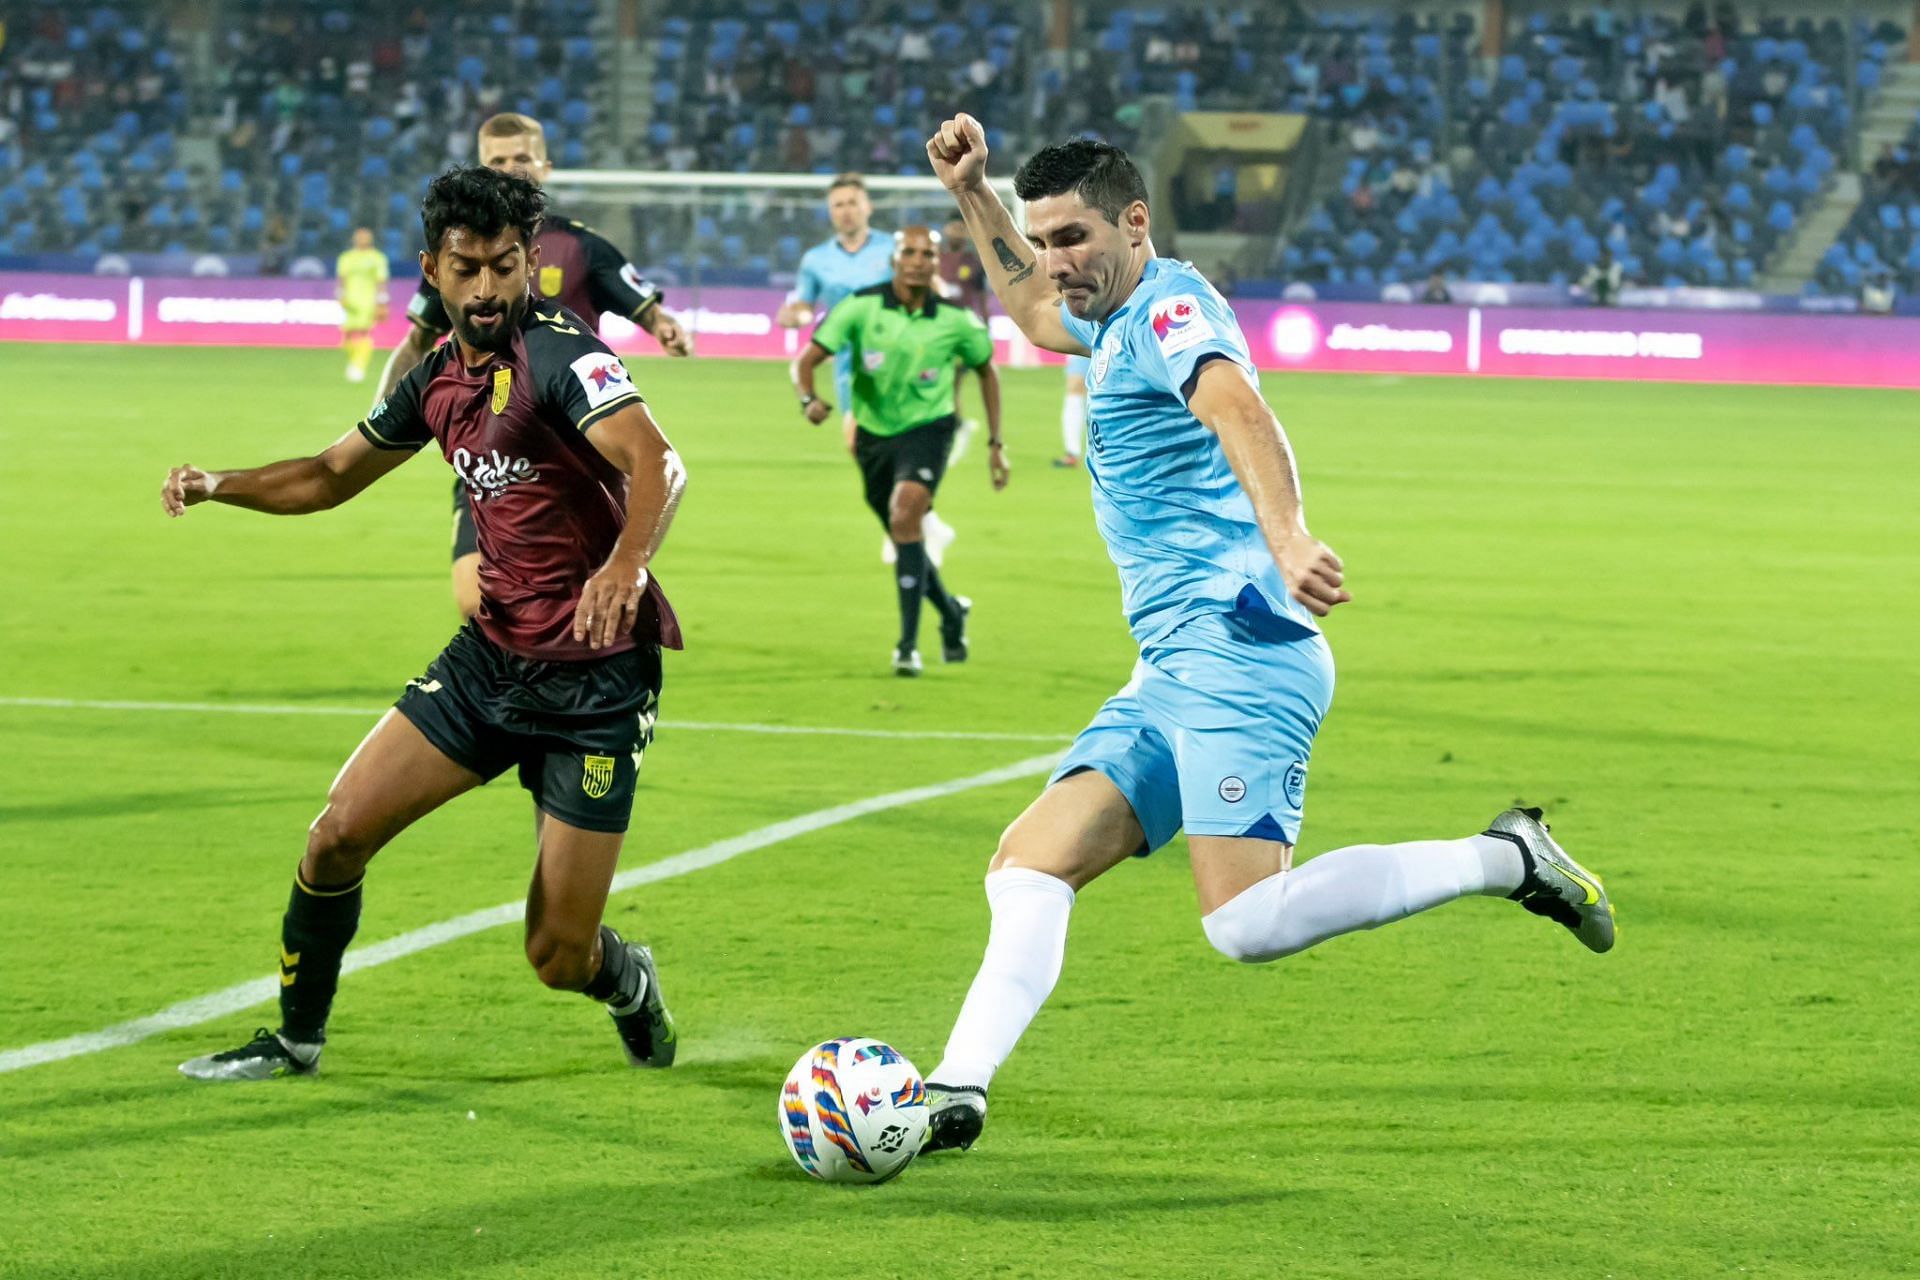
x=502, y=388
x=596, y=776
x=551, y=278
x=602, y=377
x=1178, y=324
x=1101, y=358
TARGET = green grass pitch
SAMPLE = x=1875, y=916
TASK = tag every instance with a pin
x=1681, y=618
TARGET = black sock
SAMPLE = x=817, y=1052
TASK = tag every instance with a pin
x=937, y=595
x=618, y=981
x=910, y=575
x=314, y=934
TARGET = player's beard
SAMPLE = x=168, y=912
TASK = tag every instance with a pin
x=493, y=337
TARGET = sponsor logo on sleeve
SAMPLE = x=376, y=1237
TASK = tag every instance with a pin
x=1178, y=324
x=602, y=377
x=873, y=360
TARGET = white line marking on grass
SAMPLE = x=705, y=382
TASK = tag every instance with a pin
x=244, y=995
x=368, y=713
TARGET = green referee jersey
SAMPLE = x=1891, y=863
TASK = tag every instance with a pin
x=903, y=358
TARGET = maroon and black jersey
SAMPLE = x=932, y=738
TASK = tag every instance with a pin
x=579, y=269
x=965, y=279
x=547, y=506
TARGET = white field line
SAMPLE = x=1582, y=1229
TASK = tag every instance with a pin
x=370, y=713
x=244, y=995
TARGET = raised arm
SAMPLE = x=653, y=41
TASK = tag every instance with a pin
x=1229, y=404
x=294, y=487
x=958, y=153
x=631, y=440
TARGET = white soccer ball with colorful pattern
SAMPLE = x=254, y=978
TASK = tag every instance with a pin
x=853, y=1110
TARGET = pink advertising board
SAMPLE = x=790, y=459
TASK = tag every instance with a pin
x=1666, y=345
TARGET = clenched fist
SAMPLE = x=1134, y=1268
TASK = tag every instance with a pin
x=959, y=154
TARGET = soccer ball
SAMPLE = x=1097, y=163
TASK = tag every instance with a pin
x=853, y=1110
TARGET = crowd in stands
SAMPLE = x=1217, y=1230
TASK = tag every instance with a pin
x=1879, y=251
x=1677, y=150
x=1685, y=151
x=323, y=116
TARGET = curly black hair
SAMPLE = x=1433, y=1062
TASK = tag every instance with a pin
x=482, y=200
x=1102, y=174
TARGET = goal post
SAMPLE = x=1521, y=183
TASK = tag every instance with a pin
x=726, y=246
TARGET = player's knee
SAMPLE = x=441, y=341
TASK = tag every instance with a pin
x=903, y=523
x=1235, y=935
x=561, y=963
x=1017, y=849
x=338, y=846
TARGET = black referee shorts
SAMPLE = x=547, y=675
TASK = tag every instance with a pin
x=466, y=541
x=575, y=729
x=918, y=454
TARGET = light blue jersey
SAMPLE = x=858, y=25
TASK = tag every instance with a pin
x=1174, y=517
x=1214, y=731
x=829, y=273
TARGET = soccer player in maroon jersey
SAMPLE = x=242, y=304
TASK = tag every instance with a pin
x=573, y=488
x=579, y=269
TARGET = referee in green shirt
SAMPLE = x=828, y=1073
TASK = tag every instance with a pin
x=905, y=340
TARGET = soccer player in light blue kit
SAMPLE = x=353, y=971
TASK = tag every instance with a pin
x=853, y=258
x=1197, y=496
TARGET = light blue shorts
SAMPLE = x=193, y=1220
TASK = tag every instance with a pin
x=1213, y=732
x=1078, y=365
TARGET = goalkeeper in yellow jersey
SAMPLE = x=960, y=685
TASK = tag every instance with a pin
x=361, y=275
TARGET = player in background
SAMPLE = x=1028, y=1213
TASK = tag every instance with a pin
x=906, y=341
x=964, y=281
x=579, y=269
x=360, y=274
x=1196, y=493
x=962, y=278
x=855, y=257
x=1073, y=413
x=574, y=487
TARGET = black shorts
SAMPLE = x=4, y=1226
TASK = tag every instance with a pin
x=466, y=541
x=918, y=454
x=575, y=729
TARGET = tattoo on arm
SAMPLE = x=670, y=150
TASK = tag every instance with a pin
x=1010, y=261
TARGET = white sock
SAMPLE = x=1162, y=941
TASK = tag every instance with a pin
x=1361, y=887
x=1073, y=422
x=939, y=536
x=1025, y=949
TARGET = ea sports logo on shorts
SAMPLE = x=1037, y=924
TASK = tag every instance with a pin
x=1233, y=790
x=1296, y=783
